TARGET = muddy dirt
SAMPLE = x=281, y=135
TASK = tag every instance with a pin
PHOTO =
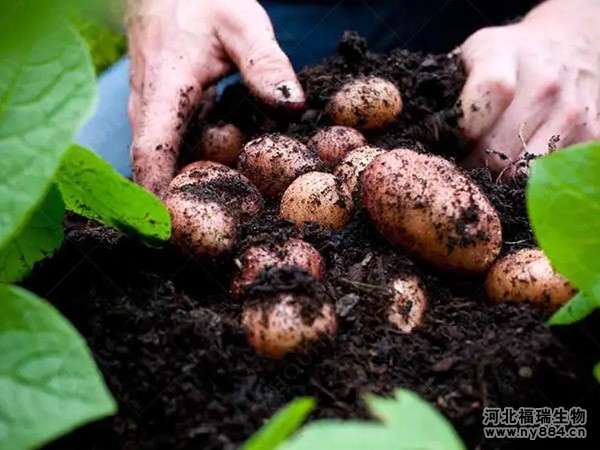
x=167, y=336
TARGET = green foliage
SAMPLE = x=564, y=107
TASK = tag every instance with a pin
x=50, y=384
x=106, y=45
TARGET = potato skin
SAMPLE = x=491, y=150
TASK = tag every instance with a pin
x=221, y=143
x=333, y=143
x=409, y=303
x=279, y=328
x=271, y=162
x=352, y=165
x=317, y=197
x=527, y=275
x=424, y=204
x=292, y=252
x=366, y=104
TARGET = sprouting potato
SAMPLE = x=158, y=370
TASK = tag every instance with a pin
x=409, y=303
x=292, y=252
x=221, y=143
x=426, y=205
x=319, y=198
x=367, y=103
x=352, y=165
x=273, y=161
x=527, y=275
x=333, y=143
x=280, y=326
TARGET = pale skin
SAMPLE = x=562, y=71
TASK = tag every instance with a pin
x=527, y=82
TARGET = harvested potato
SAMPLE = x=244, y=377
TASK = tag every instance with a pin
x=282, y=326
x=292, y=252
x=365, y=104
x=221, y=143
x=273, y=161
x=333, y=143
x=409, y=303
x=426, y=205
x=319, y=198
x=352, y=165
x=205, y=228
x=528, y=276
x=197, y=171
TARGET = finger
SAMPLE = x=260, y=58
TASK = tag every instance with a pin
x=250, y=42
x=133, y=109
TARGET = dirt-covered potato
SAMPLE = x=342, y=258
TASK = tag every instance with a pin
x=527, y=275
x=292, y=252
x=409, y=302
x=220, y=143
x=333, y=143
x=273, y=161
x=365, y=104
x=352, y=165
x=284, y=325
x=426, y=205
x=319, y=198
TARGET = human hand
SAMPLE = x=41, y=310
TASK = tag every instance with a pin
x=540, y=76
x=178, y=49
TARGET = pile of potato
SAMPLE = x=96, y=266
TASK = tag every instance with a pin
x=421, y=203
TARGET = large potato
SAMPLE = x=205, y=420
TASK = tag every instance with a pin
x=365, y=104
x=333, y=143
x=352, y=165
x=424, y=204
x=528, y=276
x=273, y=161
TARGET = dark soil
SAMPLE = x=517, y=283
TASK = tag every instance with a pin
x=167, y=335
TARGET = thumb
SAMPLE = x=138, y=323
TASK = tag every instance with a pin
x=249, y=40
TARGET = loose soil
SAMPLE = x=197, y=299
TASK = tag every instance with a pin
x=167, y=336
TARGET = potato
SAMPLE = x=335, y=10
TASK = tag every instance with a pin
x=317, y=197
x=292, y=252
x=365, y=104
x=352, y=165
x=221, y=143
x=424, y=204
x=197, y=171
x=409, y=303
x=281, y=326
x=333, y=143
x=273, y=161
x=204, y=228
x=528, y=276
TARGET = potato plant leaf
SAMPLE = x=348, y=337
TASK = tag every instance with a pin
x=49, y=383
x=93, y=188
x=406, y=422
x=563, y=200
x=40, y=237
x=281, y=425
x=46, y=92
x=578, y=308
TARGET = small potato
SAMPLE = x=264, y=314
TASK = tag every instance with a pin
x=424, y=204
x=352, y=165
x=282, y=327
x=204, y=228
x=409, y=303
x=273, y=161
x=365, y=104
x=293, y=252
x=333, y=143
x=197, y=171
x=221, y=143
x=528, y=276
x=319, y=198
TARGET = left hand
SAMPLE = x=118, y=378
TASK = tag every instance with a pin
x=541, y=76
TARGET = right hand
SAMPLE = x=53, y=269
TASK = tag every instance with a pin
x=180, y=48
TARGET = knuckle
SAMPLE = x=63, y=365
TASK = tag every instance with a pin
x=499, y=85
x=549, y=85
x=572, y=113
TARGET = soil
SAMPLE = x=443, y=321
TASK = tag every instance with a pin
x=167, y=335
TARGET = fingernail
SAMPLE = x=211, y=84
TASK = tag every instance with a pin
x=289, y=93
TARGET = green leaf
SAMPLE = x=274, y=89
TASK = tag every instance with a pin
x=563, y=199
x=93, y=188
x=46, y=92
x=42, y=235
x=281, y=425
x=597, y=372
x=576, y=309
x=49, y=383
